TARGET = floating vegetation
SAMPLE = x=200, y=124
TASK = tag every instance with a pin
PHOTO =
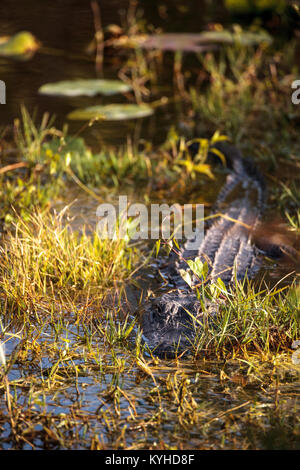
x=201, y=42
x=112, y=112
x=85, y=87
x=20, y=46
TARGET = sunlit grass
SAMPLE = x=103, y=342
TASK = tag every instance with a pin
x=44, y=254
x=248, y=319
x=247, y=91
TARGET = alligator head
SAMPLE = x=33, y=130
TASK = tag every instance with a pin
x=170, y=323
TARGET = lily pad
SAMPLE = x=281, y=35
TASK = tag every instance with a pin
x=245, y=38
x=200, y=42
x=112, y=112
x=186, y=42
x=20, y=46
x=87, y=87
x=194, y=42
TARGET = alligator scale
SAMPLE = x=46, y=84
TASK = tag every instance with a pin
x=169, y=321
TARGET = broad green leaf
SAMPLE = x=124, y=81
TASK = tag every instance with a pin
x=22, y=45
x=198, y=268
x=87, y=87
x=186, y=277
x=112, y=112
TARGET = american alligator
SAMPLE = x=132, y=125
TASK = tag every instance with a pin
x=168, y=322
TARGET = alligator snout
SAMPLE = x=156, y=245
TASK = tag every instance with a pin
x=170, y=323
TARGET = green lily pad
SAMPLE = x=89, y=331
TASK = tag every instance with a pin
x=22, y=45
x=87, y=87
x=112, y=112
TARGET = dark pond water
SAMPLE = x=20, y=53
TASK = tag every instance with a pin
x=65, y=29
